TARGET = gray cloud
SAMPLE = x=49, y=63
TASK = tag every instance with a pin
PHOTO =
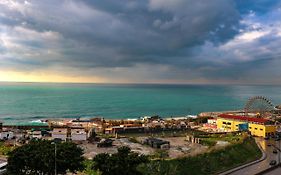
x=181, y=39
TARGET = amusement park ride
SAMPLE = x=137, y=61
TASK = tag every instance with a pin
x=261, y=107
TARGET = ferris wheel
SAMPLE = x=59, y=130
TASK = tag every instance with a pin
x=258, y=105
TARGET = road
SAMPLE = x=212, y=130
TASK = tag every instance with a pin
x=276, y=171
x=263, y=165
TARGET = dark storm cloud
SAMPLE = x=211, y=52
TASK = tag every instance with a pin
x=183, y=35
x=129, y=31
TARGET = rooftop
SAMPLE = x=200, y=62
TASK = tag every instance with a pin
x=243, y=118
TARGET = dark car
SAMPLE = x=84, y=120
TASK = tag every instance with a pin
x=277, y=139
x=273, y=162
x=105, y=143
x=275, y=151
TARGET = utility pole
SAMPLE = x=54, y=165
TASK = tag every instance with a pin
x=279, y=153
x=55, y=159
x=54, y=143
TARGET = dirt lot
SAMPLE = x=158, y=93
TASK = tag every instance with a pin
x=179, y=147
x=90, y=150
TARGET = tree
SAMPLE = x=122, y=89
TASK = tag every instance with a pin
x=38, y=157
x=123, y=162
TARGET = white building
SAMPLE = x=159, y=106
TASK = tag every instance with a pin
x=212, y=121
x=36, y=134
x=78, y=134
x=6, y=135
x=59, y=133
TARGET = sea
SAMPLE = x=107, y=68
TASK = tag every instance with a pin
x=30, y=102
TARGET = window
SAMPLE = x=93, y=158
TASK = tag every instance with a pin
x=223, y=122
x=228, y=123
x=256, y=128
x=261, y=129
x=250, y=127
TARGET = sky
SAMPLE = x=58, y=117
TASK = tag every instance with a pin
x=147, y=41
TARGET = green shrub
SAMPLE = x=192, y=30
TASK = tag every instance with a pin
x=5, y=149
x=208, y=163
x=208, y=142
x=133, y=139
x=160, y=154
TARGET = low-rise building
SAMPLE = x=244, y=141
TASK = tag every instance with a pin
x=212, y=121
x=6, y=135
x=59, y=133
x=37, y=134
x=78, y=134
x=156, y=143
x=256, y=126
x=211, y=124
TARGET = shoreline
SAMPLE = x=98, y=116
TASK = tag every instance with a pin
x=45, y=121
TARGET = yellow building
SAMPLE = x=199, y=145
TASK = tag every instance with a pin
x=262, y=130
x=256, y=126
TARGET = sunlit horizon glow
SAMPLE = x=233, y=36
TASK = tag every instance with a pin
x=12, y=76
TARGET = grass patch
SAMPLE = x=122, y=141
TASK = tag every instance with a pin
x=89, y=168
x=5, y=149
x=232, y=138
x=208, y=142
x=133, y=140
x=160, y=154
x=208, y=163
x=168, y=133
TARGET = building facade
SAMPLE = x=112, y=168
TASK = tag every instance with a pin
x=6, y=135
x=78, y=134
x=256, y=126
x=59, y=133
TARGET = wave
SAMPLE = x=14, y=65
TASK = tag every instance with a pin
x=37, y=121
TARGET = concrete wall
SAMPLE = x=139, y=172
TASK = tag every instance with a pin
x=59, y=136
x=79, y=137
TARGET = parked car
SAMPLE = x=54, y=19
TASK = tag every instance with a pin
x=277, y=138
x=275, y=151
x=3, y=167
x=105, y=143
x=273, y=162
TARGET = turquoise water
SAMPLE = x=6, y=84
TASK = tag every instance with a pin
x=22, y=102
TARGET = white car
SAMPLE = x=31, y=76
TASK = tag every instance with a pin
x=3, y=166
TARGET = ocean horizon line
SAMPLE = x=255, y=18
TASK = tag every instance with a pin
x=140, y=83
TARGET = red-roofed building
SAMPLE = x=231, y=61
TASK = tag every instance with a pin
x=244, y=118
x=257, y=126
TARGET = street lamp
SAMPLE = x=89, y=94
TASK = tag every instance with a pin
x=54, y=143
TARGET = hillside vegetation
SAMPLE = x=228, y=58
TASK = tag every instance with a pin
x=208, y=163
